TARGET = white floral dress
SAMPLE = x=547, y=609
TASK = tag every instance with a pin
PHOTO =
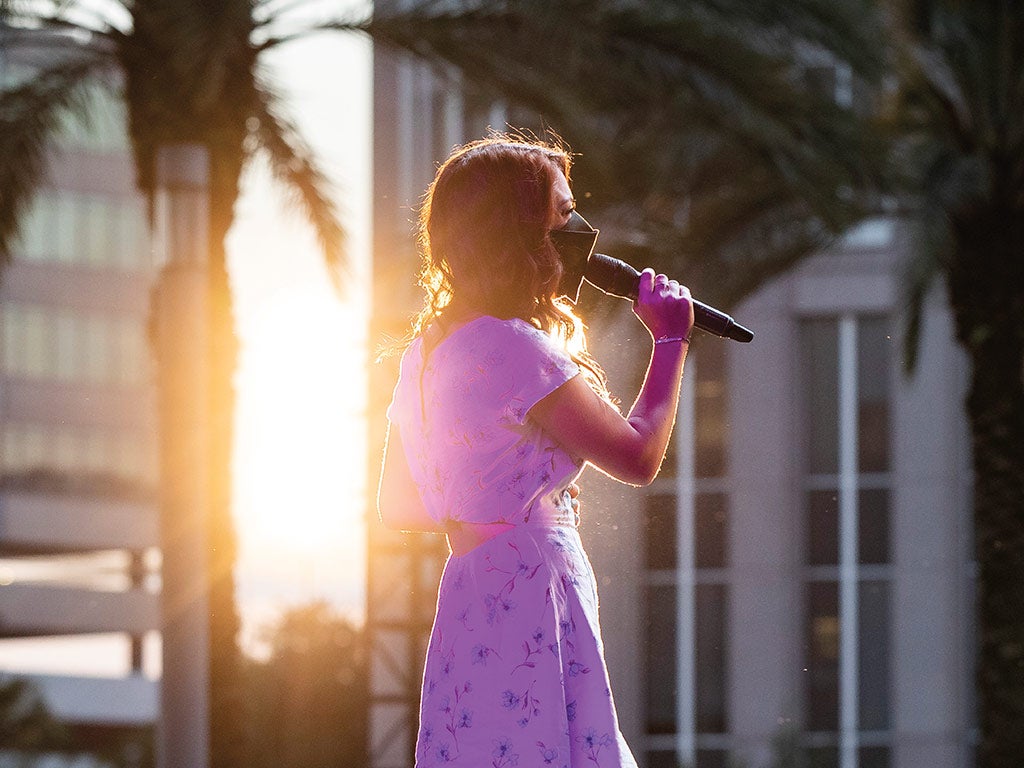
x=515, y=672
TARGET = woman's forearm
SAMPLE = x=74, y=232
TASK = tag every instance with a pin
x=654, y=412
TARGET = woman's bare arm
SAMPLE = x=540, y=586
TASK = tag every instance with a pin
x=629, y=448
x=398, y=499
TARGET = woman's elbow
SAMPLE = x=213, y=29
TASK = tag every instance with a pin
x=640, y=471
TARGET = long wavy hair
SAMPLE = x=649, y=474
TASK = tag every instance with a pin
x=485, y=243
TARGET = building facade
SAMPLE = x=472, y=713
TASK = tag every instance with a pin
x=78, y=433
x=795, y=589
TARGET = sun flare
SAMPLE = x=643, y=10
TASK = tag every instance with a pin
x=300, y=463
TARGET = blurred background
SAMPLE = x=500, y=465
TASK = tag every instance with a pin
x=208, y=226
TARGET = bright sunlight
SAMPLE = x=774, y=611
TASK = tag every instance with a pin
x=300, y=446
x=300, y=466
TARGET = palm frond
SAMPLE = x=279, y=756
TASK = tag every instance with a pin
x=72, y=18
x=30, y=117
x=294, y=165
x=671, y=101
x=275, y=38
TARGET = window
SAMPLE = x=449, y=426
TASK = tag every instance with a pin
x=60, y=454
x=686, y=550
x=845, y=368
x=55, y=343
x=95, y=231
x=710, y=425
x=660, y=659
x=660, y=531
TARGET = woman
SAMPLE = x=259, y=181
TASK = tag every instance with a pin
x=497, y=408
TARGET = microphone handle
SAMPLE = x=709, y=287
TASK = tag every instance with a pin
x=617, y=278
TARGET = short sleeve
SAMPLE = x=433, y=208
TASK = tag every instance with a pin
x=533, y=367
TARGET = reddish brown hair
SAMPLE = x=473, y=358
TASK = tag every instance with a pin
x=483, y=230
x=485, y=244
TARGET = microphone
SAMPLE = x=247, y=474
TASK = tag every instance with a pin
x=617, y=278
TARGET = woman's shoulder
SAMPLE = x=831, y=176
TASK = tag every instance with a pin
x=514, y=328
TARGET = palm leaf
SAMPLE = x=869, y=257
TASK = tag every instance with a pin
x=294, y=165
x=30, y=117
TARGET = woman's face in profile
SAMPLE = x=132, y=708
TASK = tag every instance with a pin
x=562, y=202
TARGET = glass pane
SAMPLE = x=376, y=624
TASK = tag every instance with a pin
x=660, y=531
x=874, y=349
x=662, y=759
x=822, y=663
x=12, y=336
x=34, y=230
x=67, y=225
x=873, y=644
x=823, y=527
x=96, y=338
x=819, y=366
x=711, y=426
x=873, y=525
x=712, y=758
x=660, y=659
x=95, y=235
x=873, y=757
x=36, y=344
x=67, y=346
x=711, y=620
x=711, y=533
x=823, y=757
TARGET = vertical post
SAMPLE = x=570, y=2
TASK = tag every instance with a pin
x=686, y=569
x=849, y=673
x=180, y=314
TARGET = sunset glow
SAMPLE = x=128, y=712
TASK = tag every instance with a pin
x=300, y=446
x=300, y=457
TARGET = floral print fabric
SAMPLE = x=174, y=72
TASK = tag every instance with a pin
x=515, y=672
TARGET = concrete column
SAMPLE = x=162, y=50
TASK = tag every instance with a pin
x=180, y=314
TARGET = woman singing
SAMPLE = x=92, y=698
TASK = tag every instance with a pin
x=498, y=407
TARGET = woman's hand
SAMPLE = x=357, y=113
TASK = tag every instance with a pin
x=664, y=306
x=574, y=498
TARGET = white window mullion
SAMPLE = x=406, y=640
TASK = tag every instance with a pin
x=686, y=636
x=848, y=545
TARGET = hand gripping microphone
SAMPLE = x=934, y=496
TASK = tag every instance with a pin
x=575, y=245
x=617, y=278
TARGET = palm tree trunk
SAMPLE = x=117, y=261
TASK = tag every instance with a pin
x=997, y=431
x=227, y=702
x=988, y=299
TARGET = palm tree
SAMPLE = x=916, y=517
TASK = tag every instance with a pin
x=189, y=73
x=959, y=126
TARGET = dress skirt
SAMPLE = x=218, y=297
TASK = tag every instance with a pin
x=515, y=672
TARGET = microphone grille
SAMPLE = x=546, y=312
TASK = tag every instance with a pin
x=612, y=276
